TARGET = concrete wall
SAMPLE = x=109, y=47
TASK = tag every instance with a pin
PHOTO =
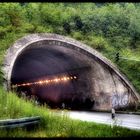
x=106, y=85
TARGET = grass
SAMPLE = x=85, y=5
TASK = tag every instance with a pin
x=52, y=124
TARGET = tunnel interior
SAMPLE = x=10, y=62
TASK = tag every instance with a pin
x=56, y=75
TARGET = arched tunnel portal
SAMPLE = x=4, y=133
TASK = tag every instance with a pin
x=60, y=70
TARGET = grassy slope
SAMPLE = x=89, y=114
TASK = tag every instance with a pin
x=51, y=124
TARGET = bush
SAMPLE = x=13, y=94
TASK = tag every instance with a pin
x=77, y=35
x=97, y=42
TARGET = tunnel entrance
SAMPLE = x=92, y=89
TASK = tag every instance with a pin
x=65, y=73
x=53, y=76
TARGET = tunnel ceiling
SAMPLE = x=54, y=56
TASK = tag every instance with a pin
x=46, y=60
x=90, y=76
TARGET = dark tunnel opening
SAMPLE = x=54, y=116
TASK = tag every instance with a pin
x=66, y=70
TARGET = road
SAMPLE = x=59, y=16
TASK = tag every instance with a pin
x=130, y=121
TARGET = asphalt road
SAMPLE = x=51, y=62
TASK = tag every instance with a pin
x=125, y=120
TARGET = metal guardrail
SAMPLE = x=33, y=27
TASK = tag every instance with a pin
x=22, y=122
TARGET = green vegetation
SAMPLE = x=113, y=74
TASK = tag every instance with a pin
x=51, y=124
x=108, y=28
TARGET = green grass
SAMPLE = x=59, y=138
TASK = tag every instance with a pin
x=52, y=124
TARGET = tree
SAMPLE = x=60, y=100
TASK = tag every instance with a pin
x=78, y=22
x=67, y=27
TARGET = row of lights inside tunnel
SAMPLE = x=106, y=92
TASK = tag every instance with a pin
x=47, y=81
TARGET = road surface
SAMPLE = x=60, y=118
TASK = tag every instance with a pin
x=130, y=121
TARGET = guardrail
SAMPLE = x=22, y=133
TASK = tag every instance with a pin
x=22, y=122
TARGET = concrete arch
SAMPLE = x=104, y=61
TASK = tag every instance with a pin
x=127, y=96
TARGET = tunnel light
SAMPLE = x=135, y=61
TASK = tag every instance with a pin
x=75, y=77
x=47, y=81
x=40, y=82
x=56, y=80
x=65, y=78
x=35, y=83
x=68, y=78
x=28, y=84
